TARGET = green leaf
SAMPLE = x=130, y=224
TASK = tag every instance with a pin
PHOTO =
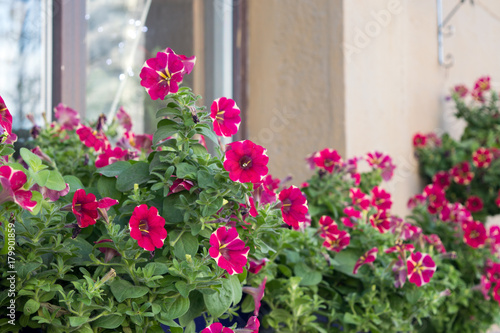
x=205, y=130
x=177, y=308
x=219, y=302
x=168, y=111
x=173, y=214
x=78, y=321
x=309, y=277
x=186, y=171
x=38, y=197
x=136, y=174
x=51, y=179
x=234, y=281
x=166, y=128
x=205, y=179
x=123, y=289
x=109, y=322
x=107, y=188
x=33, y=161
x=114, y=169
x=23, y=269
x=184, y=288
x=74, y=183
x=159, y=268
x=31, y=307
x=187, y=244
x=195, y=310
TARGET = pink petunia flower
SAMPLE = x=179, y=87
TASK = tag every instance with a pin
x=441, y=179
x=496, y=293
x=381, y=221
x=226, y=116
x=474, y=234
x=91, y=138
x=269, y=186
x=420, y=268
x=436, y=198
x=124, y=119
x=162, y=75
x=328, y=159
x=252, y=326
x=494, y=238
x=353, y=216
x=359, y=199
x=337, y=240
x=482, y=158
x=246, y=162
x=5, y=117
x=366, y=258
x=401, y=248
x=435, y=241
x=228, y=250
x=327, y=226
x=217, y=328
x=459, y=214
x=461, y=90
x=415, y=201
x=485, y=287
x=48, y=194
x=257, y=294
x=67, y=117
x=257, y=265
x=461, y=173
x=294, y=206
x=400, y=273
x=483, y=84
x=381, y=199
x=383, y=162
x=84, y=207
x=410, y=231
x=419, y=140
x=110, y=156
x=180, y=185
x=188, y=62
x=147, y=227
x=12, y=182
x=474, y=204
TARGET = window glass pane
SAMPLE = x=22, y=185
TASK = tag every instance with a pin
x=115, y=56
x=21, y=59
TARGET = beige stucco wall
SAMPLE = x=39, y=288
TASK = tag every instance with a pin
x=359, y=76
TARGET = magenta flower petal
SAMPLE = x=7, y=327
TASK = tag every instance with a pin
x=12, y=182
x=246, y=162
x=294, y=207
x=228, y=250
x=226, y=116
x=147, y=227
x=420, y=268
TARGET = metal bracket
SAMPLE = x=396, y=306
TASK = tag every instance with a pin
x=446, y=30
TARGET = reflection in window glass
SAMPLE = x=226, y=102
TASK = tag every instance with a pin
x=115, y=47
x=21, y=59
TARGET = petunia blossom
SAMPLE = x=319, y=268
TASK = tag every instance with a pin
x=441, y=179
x=228, y=250
x=419, y=140
x=401, y=248
x=474, y=204
x=257, y=265
x=67, y=117
x=328, y=159
x=180, y=185
x=257, y=294
x=327, y=226
x=226, y=116
x=359, y=199
x=352, y=217
x=162, y=75
x=381, y=199
x=109, y=253
x=147, y=227
x=381, y=221
x=84, y=207
x=383, y=162
x=337, y=240
x=246, y=162
x=474, y=234
x=293, y=206
x=420, y=268
x=400, y=273
x=366, y=258
x=483, y=84
x=12, y=182
x=5, y=117
x=461, y=90
x=124, y=119
x=217, y=328
x=435, y=241
x=91, y=138
x=252, y=326
x=461, y=173
x=482, y=158
x=110, y=156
